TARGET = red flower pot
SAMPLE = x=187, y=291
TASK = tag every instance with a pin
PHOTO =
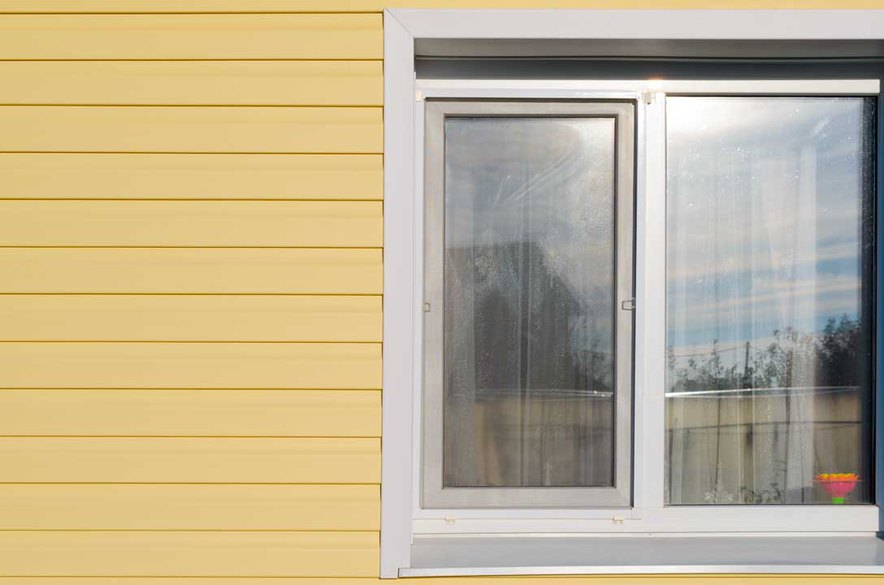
x=837, y=485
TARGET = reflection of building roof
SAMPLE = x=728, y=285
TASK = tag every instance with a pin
x=520, y=304
x=525, y=260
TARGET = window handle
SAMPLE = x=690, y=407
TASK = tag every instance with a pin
x=628, y=305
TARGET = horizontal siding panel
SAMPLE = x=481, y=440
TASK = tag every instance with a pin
x=171, y=413
x=191, y=176
x=221, y=554
x=519, y=580
x=190, y=318
x=188, y=460
x=190, y=129
x=190, y=365
x=217, y=270
x=283, y=83
x=192, y=223
x=188, y=507
x=191, y=36
x=139, y=6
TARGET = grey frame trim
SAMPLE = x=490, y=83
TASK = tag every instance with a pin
x=496, y=555
x=399, y=313
x=649, y=48
x=668, y=569
x=684, y=25
x=402, y=30
x=434, y=495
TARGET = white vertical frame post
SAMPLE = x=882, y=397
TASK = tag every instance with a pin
x=399, y=361
x=652, y=306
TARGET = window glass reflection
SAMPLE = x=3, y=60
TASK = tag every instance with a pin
x=767, y=334
x=528, y=323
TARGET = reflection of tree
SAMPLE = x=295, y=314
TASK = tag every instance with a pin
x=764, y=447
x=831, y=357
x=528, y=327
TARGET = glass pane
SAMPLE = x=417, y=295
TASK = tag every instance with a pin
x=768, y=341
x=529, y=285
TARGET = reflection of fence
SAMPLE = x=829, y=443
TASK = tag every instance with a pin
x=762, y=444
x=793, y=390
x=543, y=392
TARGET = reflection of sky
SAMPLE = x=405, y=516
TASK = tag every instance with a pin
x=763, y=216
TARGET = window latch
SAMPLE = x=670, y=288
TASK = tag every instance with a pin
x=628, y=305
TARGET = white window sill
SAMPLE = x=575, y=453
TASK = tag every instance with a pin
x=558, y=555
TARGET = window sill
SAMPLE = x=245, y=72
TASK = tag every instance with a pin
x=562, y=555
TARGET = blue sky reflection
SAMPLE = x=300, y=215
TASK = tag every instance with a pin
x=764, y=211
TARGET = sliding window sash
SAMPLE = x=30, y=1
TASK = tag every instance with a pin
x=433, y=494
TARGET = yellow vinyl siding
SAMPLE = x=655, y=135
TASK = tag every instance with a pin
x=306, y=271
x=119, y=412
x=190, y=359
x=190, y=241
x=48, y=364
x=197, y=176
x=191, y=36
x=178, y=317
x=216, y=553
x=543, y=580
x=345, y=6
x=333, y=224
x=308, y=460
x=241, y=129
x=189, y=507
x=177, y=83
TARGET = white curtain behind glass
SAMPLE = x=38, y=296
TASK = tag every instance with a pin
x=529, y=280
x=764, y=280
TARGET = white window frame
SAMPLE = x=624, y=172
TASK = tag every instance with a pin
x=402, y=516
x=648, y=512
x=432, y=493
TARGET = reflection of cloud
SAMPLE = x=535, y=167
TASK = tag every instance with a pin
x=764, y=304
x=780, y=295
x=763, y=214
x=707, y=265
x=741, y=226
x=711, y=324
x=739, y=119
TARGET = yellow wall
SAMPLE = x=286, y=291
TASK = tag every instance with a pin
x=190, y=243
